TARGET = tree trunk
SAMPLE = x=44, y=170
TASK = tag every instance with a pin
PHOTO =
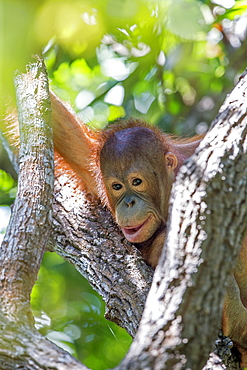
x=207, y=225
x=184, y=307
x=85, y=235
x=28, y=232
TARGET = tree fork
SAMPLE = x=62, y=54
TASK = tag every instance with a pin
x=28, y=231
x=179, y=324
x=208, y=221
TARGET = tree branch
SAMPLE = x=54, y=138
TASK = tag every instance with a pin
x=85, y=234
x=183, y=308
x=28, y=231
x=207, y=224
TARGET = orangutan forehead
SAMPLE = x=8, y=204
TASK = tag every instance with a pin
x=132, y=141
x=132, y=148
x=135, y=136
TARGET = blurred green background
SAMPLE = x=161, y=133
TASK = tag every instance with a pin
x=168, y=62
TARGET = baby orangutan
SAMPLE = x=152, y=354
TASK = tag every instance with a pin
x=138, y=166
x=134, y=167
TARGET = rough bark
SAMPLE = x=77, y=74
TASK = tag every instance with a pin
x=28, y=232
x=25, y=240
x=183, y=309
x=207, y=224
x=85, y=235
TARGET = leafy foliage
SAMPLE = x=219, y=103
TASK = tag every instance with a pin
x=7, y=188
x=70, y=313
x=168, y=62
x=7, y=196
x=156, y=60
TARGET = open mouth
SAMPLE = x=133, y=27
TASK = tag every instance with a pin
x=132, y=230
x=132, y=233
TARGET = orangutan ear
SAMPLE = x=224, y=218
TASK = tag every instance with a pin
x=171, y=161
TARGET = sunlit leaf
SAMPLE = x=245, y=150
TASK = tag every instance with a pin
x=6, y=181
x=185, y=19
x=116, y=112
x=104, y=57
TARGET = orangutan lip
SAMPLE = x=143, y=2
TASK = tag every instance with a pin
x=132, y=230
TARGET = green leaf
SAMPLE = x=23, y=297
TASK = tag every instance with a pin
x=185, y=19
x=6, y=181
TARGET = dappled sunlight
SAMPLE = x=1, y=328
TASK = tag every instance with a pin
x=226, y=3
x=4, y=217
x=83, y=99
x=115, y=68
x=115, y=95
x=75, y=24
x=170, y=63
x=70, y=314
x=91, y=48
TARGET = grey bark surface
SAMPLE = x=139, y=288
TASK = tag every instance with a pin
x=184, y=307
x=207, y=224
x=85, y=235
x=21, y=346
x=25, y=240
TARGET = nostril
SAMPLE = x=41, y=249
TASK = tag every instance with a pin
x=129, y=201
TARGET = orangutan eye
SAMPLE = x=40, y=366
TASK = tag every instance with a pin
x=136, y=182
x=117, y=186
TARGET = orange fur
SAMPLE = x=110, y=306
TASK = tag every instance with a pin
x=181, y=147
x=81, y=149
x=78, y=151
x=74, y=141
